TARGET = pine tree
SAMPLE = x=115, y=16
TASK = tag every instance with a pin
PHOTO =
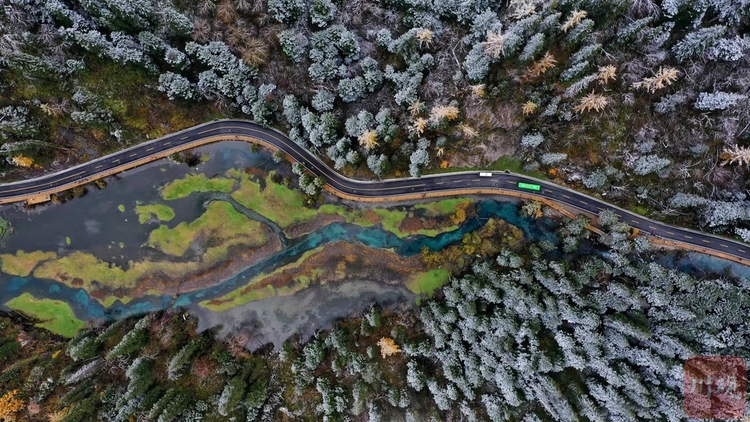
x=176, y=86
x=231, y=395
x=285, y=11
x=10, y=405
x=533, y=46
x=130, y=343
x=695, y=43
x=322, y=12
x=293, y=45
x=178, y=362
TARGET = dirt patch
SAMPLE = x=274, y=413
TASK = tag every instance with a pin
x=238, y=258
x=310, y=226
x=340, y=261
x=255, y=171
x=486, y=116
x=497, y=124
x=343, y=260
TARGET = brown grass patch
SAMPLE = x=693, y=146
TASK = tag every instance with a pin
x=411, y=224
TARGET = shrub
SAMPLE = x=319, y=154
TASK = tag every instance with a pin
x=323, y=101
x=176, y=86
x=293, y=45
x=649, y=164
x=351, y=90
x=717, y=100
x=695, y=43
x=532, y=140
x=322, y=12
x=285, y=11
x=477, y=64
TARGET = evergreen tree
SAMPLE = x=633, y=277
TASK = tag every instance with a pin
x=695, y=43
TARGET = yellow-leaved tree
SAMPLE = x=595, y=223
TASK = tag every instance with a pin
x=368, y=140
x=9, y=406
x=388, y=347
x=539, y=68
x=440, y=113
x=22, y=161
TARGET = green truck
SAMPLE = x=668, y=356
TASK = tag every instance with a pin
x=529, y=186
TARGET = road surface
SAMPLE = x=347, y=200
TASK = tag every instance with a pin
x=406, y=188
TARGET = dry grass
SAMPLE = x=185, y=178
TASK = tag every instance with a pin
x=368, y=140
x=663, y=78
x=495, y=45
x=424, y=36
x=575, y=18
x=590, y=102
x=606, y=74
x=528, y=107
x=736, y=155
x=440, y=113
x=537, y=69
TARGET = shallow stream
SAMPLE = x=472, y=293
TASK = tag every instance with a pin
x=94, y=224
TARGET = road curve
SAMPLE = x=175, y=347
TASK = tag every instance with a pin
x=391, y=189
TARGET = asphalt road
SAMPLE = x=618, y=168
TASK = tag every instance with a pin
x=393, y=187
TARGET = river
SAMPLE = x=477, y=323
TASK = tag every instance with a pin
x=94, y=224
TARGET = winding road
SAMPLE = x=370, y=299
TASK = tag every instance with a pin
x=39, y=189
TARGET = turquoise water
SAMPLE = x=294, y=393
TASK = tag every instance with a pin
x=88, y=308
x=96, y=226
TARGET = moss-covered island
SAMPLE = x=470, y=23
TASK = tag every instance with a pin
x=22, y=263
x=159, y=211
x=54, y=315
